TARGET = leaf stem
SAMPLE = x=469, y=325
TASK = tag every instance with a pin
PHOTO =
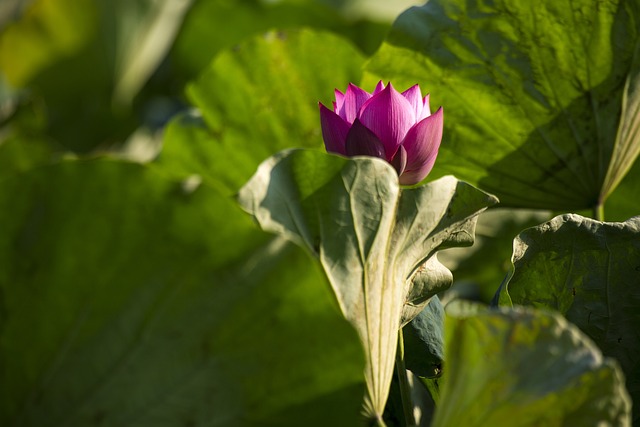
x=598, y=212
x=403, y=380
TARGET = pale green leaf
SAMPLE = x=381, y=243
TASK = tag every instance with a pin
x=370, y=236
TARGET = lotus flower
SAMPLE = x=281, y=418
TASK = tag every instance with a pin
x=394, y=126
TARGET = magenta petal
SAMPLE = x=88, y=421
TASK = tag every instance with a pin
x=362, y=142
x=414, y=96
x=334, y=130
x=422, y=143
x=379, y=87
x=339, y=100
x=354, y=97
x=389, y=115
x=426, y=110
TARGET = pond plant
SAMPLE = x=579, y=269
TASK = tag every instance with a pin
x=200, y=228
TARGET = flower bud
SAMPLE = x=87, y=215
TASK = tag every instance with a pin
x=394, y=126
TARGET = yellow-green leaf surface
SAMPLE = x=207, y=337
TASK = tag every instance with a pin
x=130, y=299
x=540, y=98
x=257, y=99
x=377, y=243
x=525, y=368
x=588, y=271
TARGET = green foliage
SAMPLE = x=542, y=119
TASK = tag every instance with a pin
x=540, y=102
x=128, y=298
x=376, y=243
x=214, y=25
x=424, y=341
x=525, y=368
x=257, y=99
x=85, y=61
x=588, y=271
x=478, y=270
x=142, y=295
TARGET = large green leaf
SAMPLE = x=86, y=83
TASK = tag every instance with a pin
x=258, y=99
x=521, y=368
x=214, y=25
x=587, y=270
x=20, y=153
x=540, y=99
x=130, y=299
x=377, y=243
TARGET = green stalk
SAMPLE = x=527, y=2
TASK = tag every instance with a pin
x=403, y=380
x=598, y=212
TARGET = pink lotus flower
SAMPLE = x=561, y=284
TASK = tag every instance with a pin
x=397, y=127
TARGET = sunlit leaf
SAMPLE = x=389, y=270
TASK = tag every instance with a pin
x=534, y=94
x=377, y=243
x=517, y=368
x=623, y=203
x=130, y=299
x=588, y=271
x=257, y=99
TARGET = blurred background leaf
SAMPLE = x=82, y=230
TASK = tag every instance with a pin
x=129, y=298
x=100, y=70
x=522, y=367
x=85, y=61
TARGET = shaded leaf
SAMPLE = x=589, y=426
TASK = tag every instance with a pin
x=224, y=24
x=424, y=341
x=588, y=271
x=370, y=237
x=478, y=270
x=127, y=298
x=533, y=94
x=256, y=100
x=525, y=368
x=21, y=153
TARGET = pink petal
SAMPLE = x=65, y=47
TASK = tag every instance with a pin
x=362, y=142
x=378, y=88
x=389, y=115
x=414, y=96
x=339, y=100
x=426, y=110
x=334, y=130
x=354, y=97
x=422, y=143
